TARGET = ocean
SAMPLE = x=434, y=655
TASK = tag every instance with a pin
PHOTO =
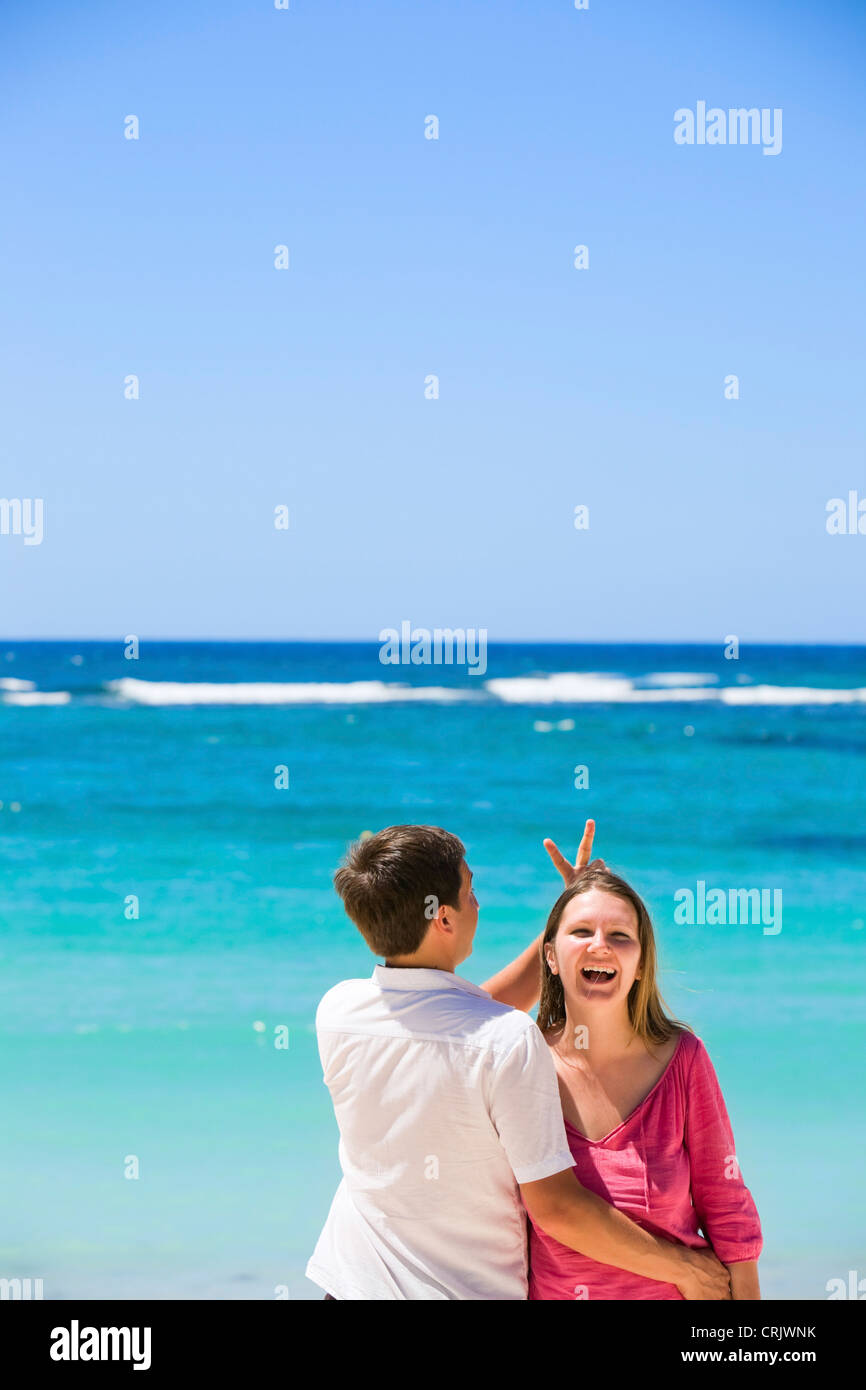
x=168, y=919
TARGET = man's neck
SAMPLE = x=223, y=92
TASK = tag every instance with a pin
x=412, y=963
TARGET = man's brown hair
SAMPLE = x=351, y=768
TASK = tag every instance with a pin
x=393, y=884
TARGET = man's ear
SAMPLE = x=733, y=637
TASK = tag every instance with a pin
x=443, y=917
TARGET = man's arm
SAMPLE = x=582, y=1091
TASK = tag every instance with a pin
x=588, y=1224
x=744, y=1280
x=519, y=984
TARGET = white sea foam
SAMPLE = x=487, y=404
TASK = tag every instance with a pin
x=597, y=688
x=675, y=678
x=789, y=695
x=278, y=693
x=684, y=694
x=36, y=697
x=560, y=688
x=565, y=687
x=579, y=688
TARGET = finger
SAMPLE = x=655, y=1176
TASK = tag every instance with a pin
x=584, y=849
x=559, y=859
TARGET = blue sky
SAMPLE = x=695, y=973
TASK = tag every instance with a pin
x=411, y=257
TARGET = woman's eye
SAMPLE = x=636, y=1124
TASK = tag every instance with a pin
x=584, y=931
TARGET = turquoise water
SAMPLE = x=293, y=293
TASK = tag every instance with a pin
x=135, y=1036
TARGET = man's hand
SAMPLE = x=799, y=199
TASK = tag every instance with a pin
x=570, y=871
x=704, y=1278
x=519, y=984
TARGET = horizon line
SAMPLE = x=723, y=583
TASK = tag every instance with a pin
x=500, y=642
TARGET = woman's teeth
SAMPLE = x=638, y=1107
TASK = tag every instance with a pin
x=598, y=975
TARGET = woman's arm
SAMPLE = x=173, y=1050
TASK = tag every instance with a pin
x=519, y=984
x=725, y=1208
x=744, y=1280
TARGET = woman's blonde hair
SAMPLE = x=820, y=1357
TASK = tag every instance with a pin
x=646, y=1008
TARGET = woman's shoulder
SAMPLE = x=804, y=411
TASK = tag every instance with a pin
x=687, y=1047
x=694, y=1063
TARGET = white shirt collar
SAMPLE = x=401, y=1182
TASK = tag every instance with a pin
x=419, y=978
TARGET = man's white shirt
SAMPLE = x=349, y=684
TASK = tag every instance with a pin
x=445, y=1101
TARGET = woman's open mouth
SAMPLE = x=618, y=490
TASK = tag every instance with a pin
x=598, y=975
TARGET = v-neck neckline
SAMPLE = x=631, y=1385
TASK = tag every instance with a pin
x=638, y=1107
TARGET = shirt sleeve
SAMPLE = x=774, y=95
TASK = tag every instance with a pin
x=726, y=1211
x=526, y=1110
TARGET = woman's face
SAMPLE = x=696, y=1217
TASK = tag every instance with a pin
x=596, y=950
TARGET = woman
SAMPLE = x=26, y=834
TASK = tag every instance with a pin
x=644, y=1115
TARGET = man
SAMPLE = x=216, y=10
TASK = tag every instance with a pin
x=448, y=1106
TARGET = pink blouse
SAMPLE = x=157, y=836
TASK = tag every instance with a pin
x=671, y=1167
